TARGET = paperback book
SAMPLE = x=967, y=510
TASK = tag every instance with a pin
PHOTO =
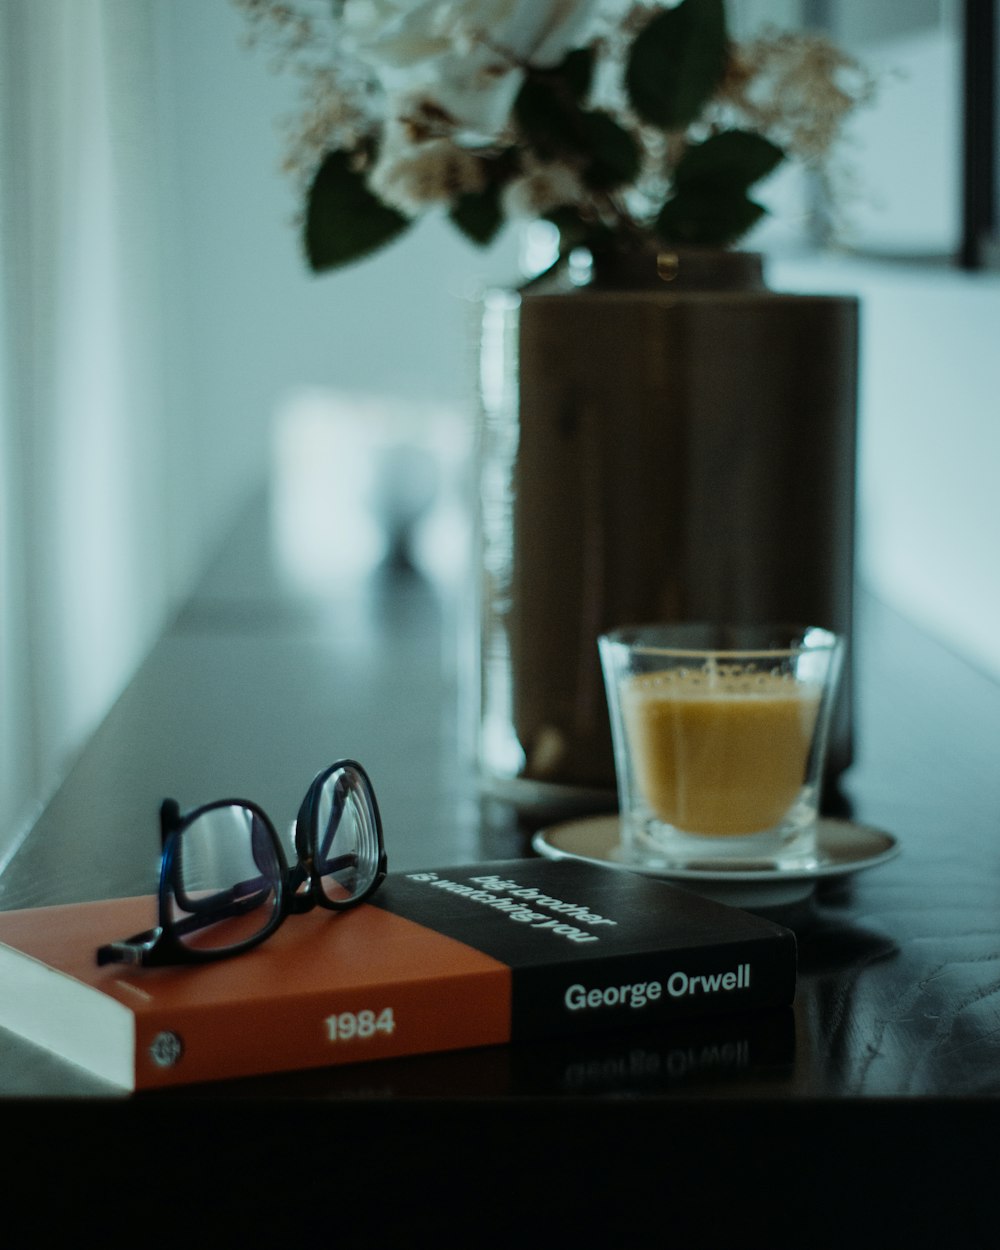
x=437, y=960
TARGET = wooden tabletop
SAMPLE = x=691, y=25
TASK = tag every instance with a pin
x=893, y=1046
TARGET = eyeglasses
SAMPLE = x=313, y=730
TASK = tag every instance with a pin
x=225, y=884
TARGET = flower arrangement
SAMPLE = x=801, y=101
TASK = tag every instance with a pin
x=625, y=123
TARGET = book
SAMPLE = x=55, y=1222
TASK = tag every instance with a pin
x=437, y=960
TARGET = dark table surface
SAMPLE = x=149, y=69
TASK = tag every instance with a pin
x=870, y=1110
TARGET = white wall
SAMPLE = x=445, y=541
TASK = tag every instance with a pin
x=929, y=442
x=156, y=312
x=82, y=428
x=256, y=320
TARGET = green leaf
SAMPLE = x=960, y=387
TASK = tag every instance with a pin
x=676, y=63
x=613, y=153
x=479, y=215
x=555, y=126
x=577, y=71
x=731, y=158
x=345, y=221
x=707, y=217
x=547, y=117
x=710, y=207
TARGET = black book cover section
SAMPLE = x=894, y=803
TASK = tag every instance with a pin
x=591, y=948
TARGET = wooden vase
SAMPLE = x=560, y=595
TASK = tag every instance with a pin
x=672, y=441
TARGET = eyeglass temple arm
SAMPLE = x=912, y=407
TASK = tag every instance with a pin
x=238, y=898
x=319, y=868
x=131, y=950
x=242, y=898
x=237, y=901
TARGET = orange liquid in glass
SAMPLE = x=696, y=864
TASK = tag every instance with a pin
x=719, y=753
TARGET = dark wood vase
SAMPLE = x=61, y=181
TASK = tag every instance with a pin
x=670, y=441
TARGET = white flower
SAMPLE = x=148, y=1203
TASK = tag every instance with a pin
x=394, y=33
x=418, y=97
x=412, y=176
x=465, y=56
x=540, y=189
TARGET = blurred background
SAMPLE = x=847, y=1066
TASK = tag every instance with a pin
x=166, y=357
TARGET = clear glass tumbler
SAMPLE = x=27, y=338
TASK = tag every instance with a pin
x=720, y=736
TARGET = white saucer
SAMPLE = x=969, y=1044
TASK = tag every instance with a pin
x=843, y=847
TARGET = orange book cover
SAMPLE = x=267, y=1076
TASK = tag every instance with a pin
x=437, y=960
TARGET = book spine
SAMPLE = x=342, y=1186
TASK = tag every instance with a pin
x=649, y=989
x=323, y=1029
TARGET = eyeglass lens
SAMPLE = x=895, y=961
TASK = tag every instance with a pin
x=227, y=877
x=346, y=849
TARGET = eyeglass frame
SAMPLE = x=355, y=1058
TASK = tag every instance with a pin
x=162, y=946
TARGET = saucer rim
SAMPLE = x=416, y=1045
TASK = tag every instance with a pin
x=886, y=847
